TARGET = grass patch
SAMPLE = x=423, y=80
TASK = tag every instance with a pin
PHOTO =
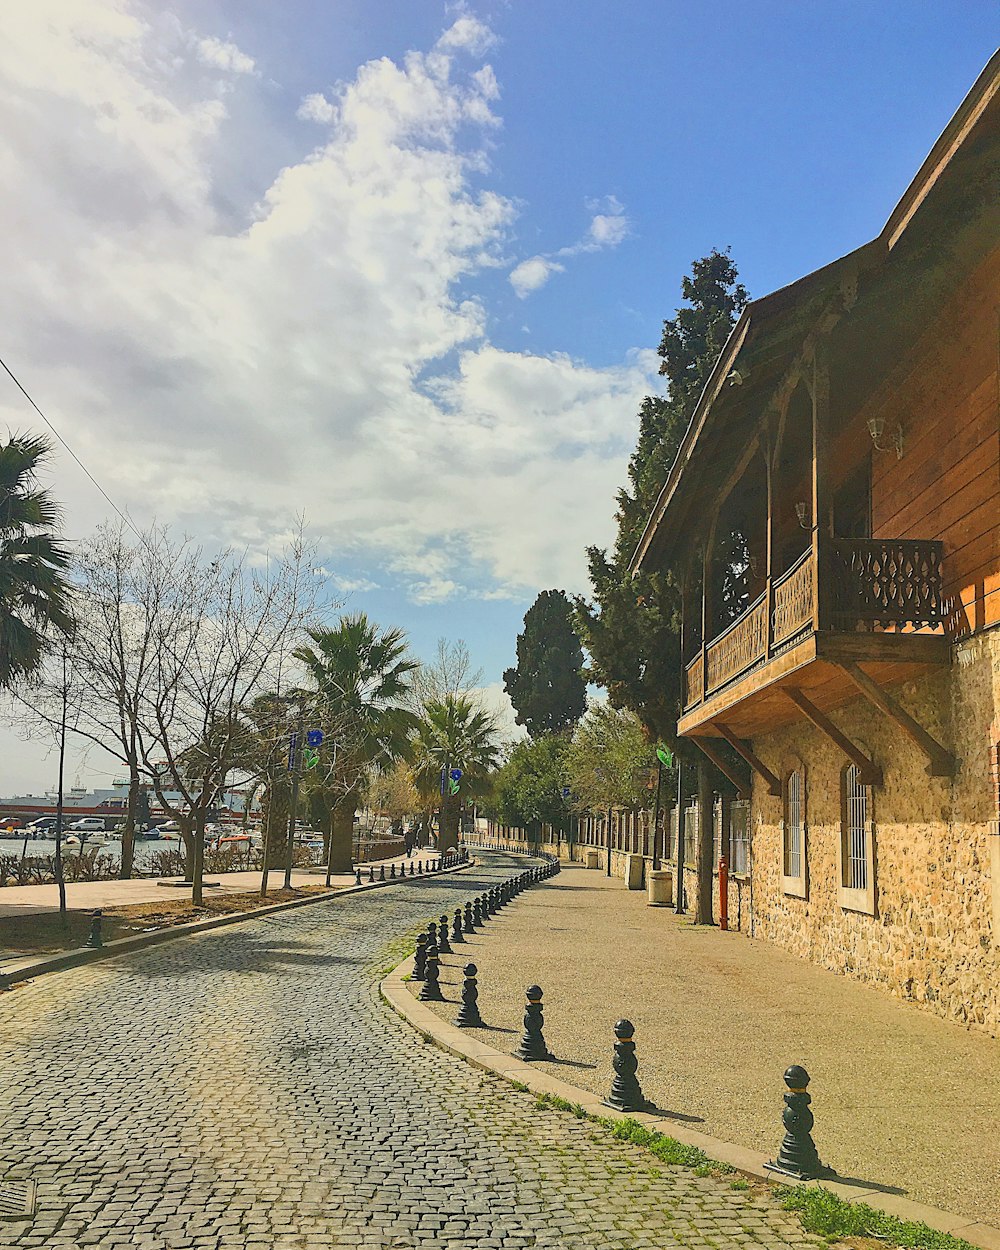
x=555, y=1103
x=666, y=1149
x=824, y=1213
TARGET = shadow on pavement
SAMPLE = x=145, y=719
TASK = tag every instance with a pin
x=247, y=955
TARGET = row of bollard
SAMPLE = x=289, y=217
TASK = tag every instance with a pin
x=451, y=859
x=797, y=1157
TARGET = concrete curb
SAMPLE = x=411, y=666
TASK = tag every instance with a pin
x=451, y=1038
x=123, y=946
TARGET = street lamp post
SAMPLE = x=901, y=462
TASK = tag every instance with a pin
x=295, y=767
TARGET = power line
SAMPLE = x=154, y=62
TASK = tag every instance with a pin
x=59, y=438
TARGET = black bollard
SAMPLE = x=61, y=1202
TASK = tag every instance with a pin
x=532, y=1042
x=381, y=872
x=371, y=873
x=468, y=1014
x=357, y=876
x=444, y=946
x=413, y=871
x=469, y=921
x=420, y=958
x=420, y=867
x=797, y=1156
x=432, y=934
x=392, y=871
x=96, y=939
x=430, y=991
x=626, y=1093
x=456, y=926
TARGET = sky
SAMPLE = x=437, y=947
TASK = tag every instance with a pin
x=402, y=267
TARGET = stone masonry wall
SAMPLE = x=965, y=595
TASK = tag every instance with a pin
x=932, y=938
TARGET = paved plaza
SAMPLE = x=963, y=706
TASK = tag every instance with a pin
x=248, y=1089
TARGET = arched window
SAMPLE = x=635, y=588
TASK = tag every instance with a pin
x=857, y=843
x=794, y=833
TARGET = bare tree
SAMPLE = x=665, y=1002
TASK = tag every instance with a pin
x=223, y=636
x=450, y=673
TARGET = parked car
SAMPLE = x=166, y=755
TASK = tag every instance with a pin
x=88, y=824
x=44, y=824
x=10, y=823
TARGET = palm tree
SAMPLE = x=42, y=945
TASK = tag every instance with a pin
x=454, y=733
x=361, y=678
x=34, y=591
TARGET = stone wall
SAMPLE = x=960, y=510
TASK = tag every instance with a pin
x=932, y=938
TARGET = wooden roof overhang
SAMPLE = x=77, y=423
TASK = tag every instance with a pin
x=947, y=217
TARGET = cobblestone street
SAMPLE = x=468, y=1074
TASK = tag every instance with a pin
x=247, y=1088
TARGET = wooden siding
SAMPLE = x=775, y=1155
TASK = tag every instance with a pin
x=947, y=485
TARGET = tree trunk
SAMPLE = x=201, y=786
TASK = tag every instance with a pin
x=342, y=832
x=198, y=861
x=448, y=824
x=276, y=820
x=128, y=833
x=706, y=823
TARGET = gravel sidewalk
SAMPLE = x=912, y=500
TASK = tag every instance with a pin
x=902, y=1099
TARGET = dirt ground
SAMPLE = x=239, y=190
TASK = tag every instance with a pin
x=44, y=932
x=903, y=1100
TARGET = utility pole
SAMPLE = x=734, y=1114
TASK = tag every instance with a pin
x=295, y=767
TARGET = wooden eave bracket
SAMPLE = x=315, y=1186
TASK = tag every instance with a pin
x=744, y=749
x=741, y=786
x=871, y=773
x=940, y=761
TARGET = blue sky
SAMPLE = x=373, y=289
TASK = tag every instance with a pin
x=404, y=265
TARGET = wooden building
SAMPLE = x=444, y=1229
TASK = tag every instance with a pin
x=834, y=515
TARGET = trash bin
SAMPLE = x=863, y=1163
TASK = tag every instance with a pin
x=660, y=885
x=634, y=864
x=593, y=857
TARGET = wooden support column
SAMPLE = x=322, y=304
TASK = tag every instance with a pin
x=871, y=773
x=822, y=501
x=744, y=749
x=705, y=744
x=941, y=762
x=768, y=449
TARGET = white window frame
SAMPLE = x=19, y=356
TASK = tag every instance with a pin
x=857, y=844
x=794, y=816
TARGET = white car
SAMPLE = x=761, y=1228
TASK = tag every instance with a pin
x=88, y=824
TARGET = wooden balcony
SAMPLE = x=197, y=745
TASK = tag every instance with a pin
x=863, y=604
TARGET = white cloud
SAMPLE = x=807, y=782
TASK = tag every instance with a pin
x=607, y=229
x=530, y=275
x=316, y=108
x=468, y=34
x=354, y=585
x=223, y=365
x=219, y=54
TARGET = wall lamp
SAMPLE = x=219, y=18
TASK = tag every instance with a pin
x=876, y=428
x=802, y=512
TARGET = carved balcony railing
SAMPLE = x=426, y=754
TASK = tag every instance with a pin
x=694, y=681
x=792, y=597
x=885, y=583
x=873, y=584
x=742, y=645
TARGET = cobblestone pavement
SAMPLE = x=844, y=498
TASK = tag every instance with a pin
x=248, y=1089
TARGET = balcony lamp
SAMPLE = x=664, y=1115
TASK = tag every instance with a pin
x=876, y=428
x=802, y=512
